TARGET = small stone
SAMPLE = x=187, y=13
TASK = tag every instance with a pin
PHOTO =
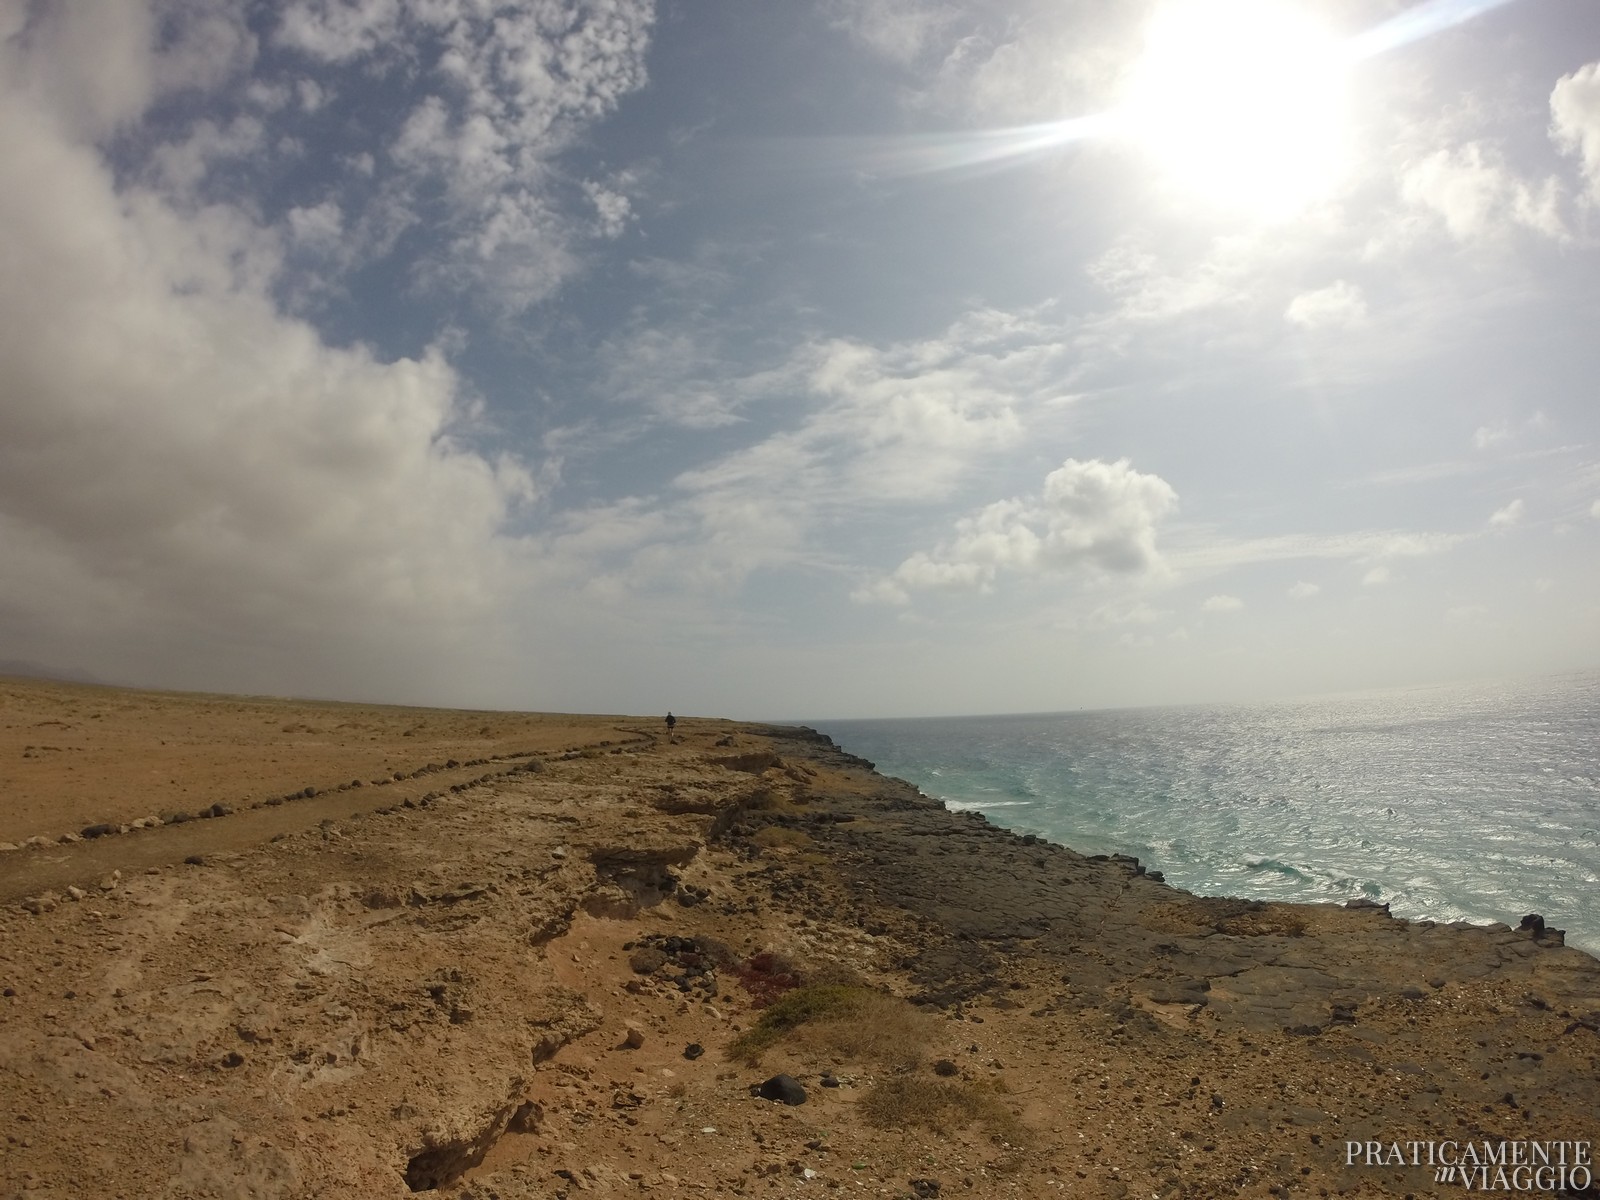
x=77, y=893
x=945, y=1068
x=633, y=1038
x=103, y=829
x=693, y=1051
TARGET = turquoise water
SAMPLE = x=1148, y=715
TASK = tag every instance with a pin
x=1472, y=802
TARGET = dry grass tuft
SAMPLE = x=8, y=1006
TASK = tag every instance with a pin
x=906, y=1101
x=838, y=1020
x=773, y=837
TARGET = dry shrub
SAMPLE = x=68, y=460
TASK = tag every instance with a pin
x=907, y=1101
x=838, y=1019
x=880, y=1028
x=767, y=975
x=772, y=837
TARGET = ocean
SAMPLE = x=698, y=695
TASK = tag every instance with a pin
x=1477, y=802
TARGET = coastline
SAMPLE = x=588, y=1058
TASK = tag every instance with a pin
x=434, y=984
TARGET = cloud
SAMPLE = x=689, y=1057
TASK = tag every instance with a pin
x=480, y=103
x=1222, y=604
x=1490, y=435
x=1340, y=305
x=1375, y=576
x=1207, y=551
x=1575, y=121
x=1096, y=515
x=1505, y=518
x=180, y=458
x=1303, y=590
x=901, y=31
x=1594, y=510
x=1476, y=196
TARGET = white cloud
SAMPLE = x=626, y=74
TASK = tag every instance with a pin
x=1504, y=518
x=1375, y=576
x=1490, y=435
x=1594, y=510
x=901, y=31
x=1094, y=514
x=1340, y=305
x=613, y=210
x=494, y=95
x=1222, y=603
x=1209, y=552
x=1303, y=590
x=183, y=459
x=1575, y=120
x=1145, y=290
x=317, y=227
x=1476, y=196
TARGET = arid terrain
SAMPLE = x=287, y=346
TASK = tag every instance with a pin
x=264, y=948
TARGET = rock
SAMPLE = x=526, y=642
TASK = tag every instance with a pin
x=693, y=1051
x=101, y=830
x=925, y=1188
x=945, y=1068
x=77, y=893
x=111, y=882
x=633, y=1038
x=1532, y=923
x=785, y=1089
x=42, y=903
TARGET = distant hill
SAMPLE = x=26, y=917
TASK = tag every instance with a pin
x=32, y=670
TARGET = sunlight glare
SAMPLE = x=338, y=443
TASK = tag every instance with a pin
x=1241, y=103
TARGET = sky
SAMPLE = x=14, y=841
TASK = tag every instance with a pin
x=825, y=358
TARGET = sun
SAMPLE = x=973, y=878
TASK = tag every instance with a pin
x=1241, y=104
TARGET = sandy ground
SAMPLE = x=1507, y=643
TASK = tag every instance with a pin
x=524, y=975
x=73, y=756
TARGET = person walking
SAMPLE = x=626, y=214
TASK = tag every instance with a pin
x=672, y=724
